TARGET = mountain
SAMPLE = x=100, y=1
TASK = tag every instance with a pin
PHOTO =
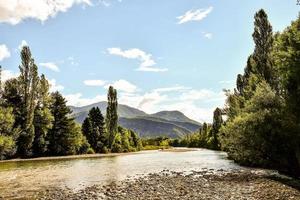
x=172, y=124
x=173, y=116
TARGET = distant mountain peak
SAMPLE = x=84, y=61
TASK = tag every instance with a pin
x=164, y=123
x=174, y=115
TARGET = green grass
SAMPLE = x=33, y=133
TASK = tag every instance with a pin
x=153, y=147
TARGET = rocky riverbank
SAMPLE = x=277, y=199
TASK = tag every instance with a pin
x=207, y=184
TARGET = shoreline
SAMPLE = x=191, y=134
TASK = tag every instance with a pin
x=69, y=157
x=96, y=155
x=180, y=185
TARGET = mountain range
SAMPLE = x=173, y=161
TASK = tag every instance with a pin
x=173, y=124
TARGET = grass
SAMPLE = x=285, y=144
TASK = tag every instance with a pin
x=154, y=147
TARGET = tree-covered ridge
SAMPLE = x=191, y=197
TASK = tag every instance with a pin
x=35, y=122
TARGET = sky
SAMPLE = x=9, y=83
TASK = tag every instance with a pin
x=159, y=55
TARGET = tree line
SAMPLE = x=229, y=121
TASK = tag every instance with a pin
x=206, y=137
x=35, y=122
x=262, y=126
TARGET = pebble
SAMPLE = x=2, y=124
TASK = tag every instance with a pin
x=240, y=185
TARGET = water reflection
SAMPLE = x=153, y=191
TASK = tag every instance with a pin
x=19, y=177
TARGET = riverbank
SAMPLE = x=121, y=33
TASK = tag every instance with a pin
x=97, y=155
x=206, y=184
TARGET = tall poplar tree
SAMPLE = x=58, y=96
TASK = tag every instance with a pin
x=263, y=39
x=28, y=81
x=111, y=115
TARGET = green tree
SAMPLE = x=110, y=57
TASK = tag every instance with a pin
x=94, y=130
x=11, y=96
x=8, y=133
x=253, y=137
x=203, y=134
x=213, y=141
x=42, y=118
x=65, y=136
x=28, y=81
x=263, y=39
x=263, y=122
x=287, y=58
x=111, y=115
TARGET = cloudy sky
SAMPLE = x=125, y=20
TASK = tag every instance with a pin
x=160, y=55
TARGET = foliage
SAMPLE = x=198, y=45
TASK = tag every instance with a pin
x=42, y=118
x=94, y=130
x=65, y=136
x=206, y=137
x=111, y=115
x=156, y=143
x=262, y=126
x=28, y=81
x=8, y=133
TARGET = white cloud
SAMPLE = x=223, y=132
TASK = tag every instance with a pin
x=7, y=74
x=14, y=11
x=77, y=100
x=226, y=81
x=104, y=3
x=194, y=15
x=50, y=65
x=72, y=61
x=54, y=86
x=208, y=35
x=4, y=52
x=191, y=110
x=94, y=82
x=147, y=62
x=123, y=85
x=203, y=94
x=196, y=104
x=171, y=89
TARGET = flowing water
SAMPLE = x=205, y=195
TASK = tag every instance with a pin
x=21, y=178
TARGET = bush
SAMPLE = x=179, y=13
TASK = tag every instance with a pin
x=90, y=151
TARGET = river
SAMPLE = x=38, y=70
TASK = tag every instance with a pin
x=24, y=178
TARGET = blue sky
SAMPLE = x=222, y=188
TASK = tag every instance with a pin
x=160, y=55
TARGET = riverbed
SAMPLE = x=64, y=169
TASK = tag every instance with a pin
x=29, y=179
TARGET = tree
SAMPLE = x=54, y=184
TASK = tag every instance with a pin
x=28, y=81
x=263, y=120
x=287, y=58
x=263, y=39
x=253, y=137
x=42, y=118
x=65, y=137
x=94, y=130
x=203, y=133
x=86, y=129
x=213, y=141
x=111, y=115
x=12, y=98
x=8, y=133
